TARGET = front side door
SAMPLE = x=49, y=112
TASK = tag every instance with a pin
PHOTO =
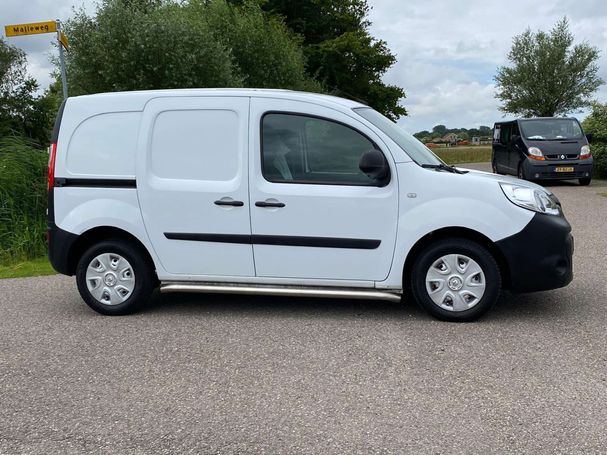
x=192, y=184
x=314, y=214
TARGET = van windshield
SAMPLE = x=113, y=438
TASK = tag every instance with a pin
x=412, y=147
x=554, y=129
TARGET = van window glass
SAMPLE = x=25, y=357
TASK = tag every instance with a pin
x=417, y=151
x=552, y=129
x=304, y=149
x=196, y=145
x=505, y=134
x=496, y=133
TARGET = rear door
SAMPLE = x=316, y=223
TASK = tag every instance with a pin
x=192, y=184
x=314, y=214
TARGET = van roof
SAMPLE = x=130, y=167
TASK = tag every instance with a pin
x=525, y=119
x=140, y=97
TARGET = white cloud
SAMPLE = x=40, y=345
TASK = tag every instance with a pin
x=447, y=50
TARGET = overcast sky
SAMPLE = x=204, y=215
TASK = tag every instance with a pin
x=447, y=50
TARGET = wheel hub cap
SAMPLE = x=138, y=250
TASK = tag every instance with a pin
x=455, y=282
x=110, y=279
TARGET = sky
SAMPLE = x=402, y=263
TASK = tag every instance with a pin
x=447, y=50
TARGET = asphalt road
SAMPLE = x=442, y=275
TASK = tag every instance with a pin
x=219, y=374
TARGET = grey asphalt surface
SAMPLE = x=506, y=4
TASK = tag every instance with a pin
x=224, y=374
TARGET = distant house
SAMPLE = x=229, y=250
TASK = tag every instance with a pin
x=476, y=140
x=449, y=138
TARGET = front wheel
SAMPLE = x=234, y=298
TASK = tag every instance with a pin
x=456, y=280
x=521, y=172
x=114, y=278
x=585, y=181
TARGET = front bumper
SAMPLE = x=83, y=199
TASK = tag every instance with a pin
x=546, y=170
x=540, y=257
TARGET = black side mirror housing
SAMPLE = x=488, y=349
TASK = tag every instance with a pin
x=515, y=138
x=589, y=138
x=374, y=164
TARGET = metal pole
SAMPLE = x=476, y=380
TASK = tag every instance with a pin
x=62, y=61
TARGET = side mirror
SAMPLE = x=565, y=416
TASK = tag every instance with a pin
x=373, y=163
x=515, y=138
x=589, y=137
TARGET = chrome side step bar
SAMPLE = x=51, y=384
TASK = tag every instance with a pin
x=287, y=291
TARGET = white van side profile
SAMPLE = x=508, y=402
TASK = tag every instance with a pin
x=284, y=193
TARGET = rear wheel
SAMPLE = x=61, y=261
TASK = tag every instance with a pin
x=456, y=280
x=114, y=278
x=585, y=181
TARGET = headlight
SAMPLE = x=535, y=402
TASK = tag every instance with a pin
x=585, y=152
x=531, y=198
x=536, y=154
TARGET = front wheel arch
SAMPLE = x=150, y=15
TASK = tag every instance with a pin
x=461, y=233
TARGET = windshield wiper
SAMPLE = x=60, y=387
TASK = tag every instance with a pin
x=443, y=167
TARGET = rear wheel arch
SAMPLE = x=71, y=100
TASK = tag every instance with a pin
x=455, y=233
x=100, y=234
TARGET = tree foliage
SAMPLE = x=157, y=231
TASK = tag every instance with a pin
x=152, y=44
x=596, y=124
x=20, y=110
x=548, y=75
x=341, y=53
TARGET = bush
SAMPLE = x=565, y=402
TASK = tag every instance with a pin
x=23, y=200
x=596, y=124
x=599, y=155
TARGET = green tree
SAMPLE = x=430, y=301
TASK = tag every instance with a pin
x=441, y=130
x=152, y=44
x=17, y=94
x=596, y=124
x=341, y=53
x=548, y=75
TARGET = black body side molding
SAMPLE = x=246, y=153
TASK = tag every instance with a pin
x=282, y=240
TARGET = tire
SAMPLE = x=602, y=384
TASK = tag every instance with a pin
x=494, y=166
x=115, y=278
x=465, y=287
x=521, y=172
x=585, y=181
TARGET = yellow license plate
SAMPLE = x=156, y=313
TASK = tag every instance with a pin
x=563, y=169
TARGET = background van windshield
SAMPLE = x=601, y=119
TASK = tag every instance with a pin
x=551, y=129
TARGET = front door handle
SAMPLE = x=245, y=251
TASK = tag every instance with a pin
x=269, y=204
x=229, y=202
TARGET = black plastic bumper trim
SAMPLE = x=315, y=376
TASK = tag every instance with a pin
x=540, y=257
x=60, y=243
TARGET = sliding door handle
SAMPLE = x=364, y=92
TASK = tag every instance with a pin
x=269, y=204
x=230, y=203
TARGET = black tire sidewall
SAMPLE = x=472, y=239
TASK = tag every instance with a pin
x=141, y=268
x=585, y=182
x=456, y=246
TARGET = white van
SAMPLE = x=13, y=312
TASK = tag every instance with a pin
x=284, y=193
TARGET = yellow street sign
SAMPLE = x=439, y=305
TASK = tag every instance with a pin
x=63, y=40
x=32, y=28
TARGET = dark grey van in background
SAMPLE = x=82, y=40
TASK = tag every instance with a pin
x=547, y=148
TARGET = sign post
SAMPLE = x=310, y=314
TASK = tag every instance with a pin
x=62, y=43
x=35, y=28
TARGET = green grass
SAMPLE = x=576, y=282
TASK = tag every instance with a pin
x=22, y=200
x=603, y=194
x=458, y=155
x=35, y=267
